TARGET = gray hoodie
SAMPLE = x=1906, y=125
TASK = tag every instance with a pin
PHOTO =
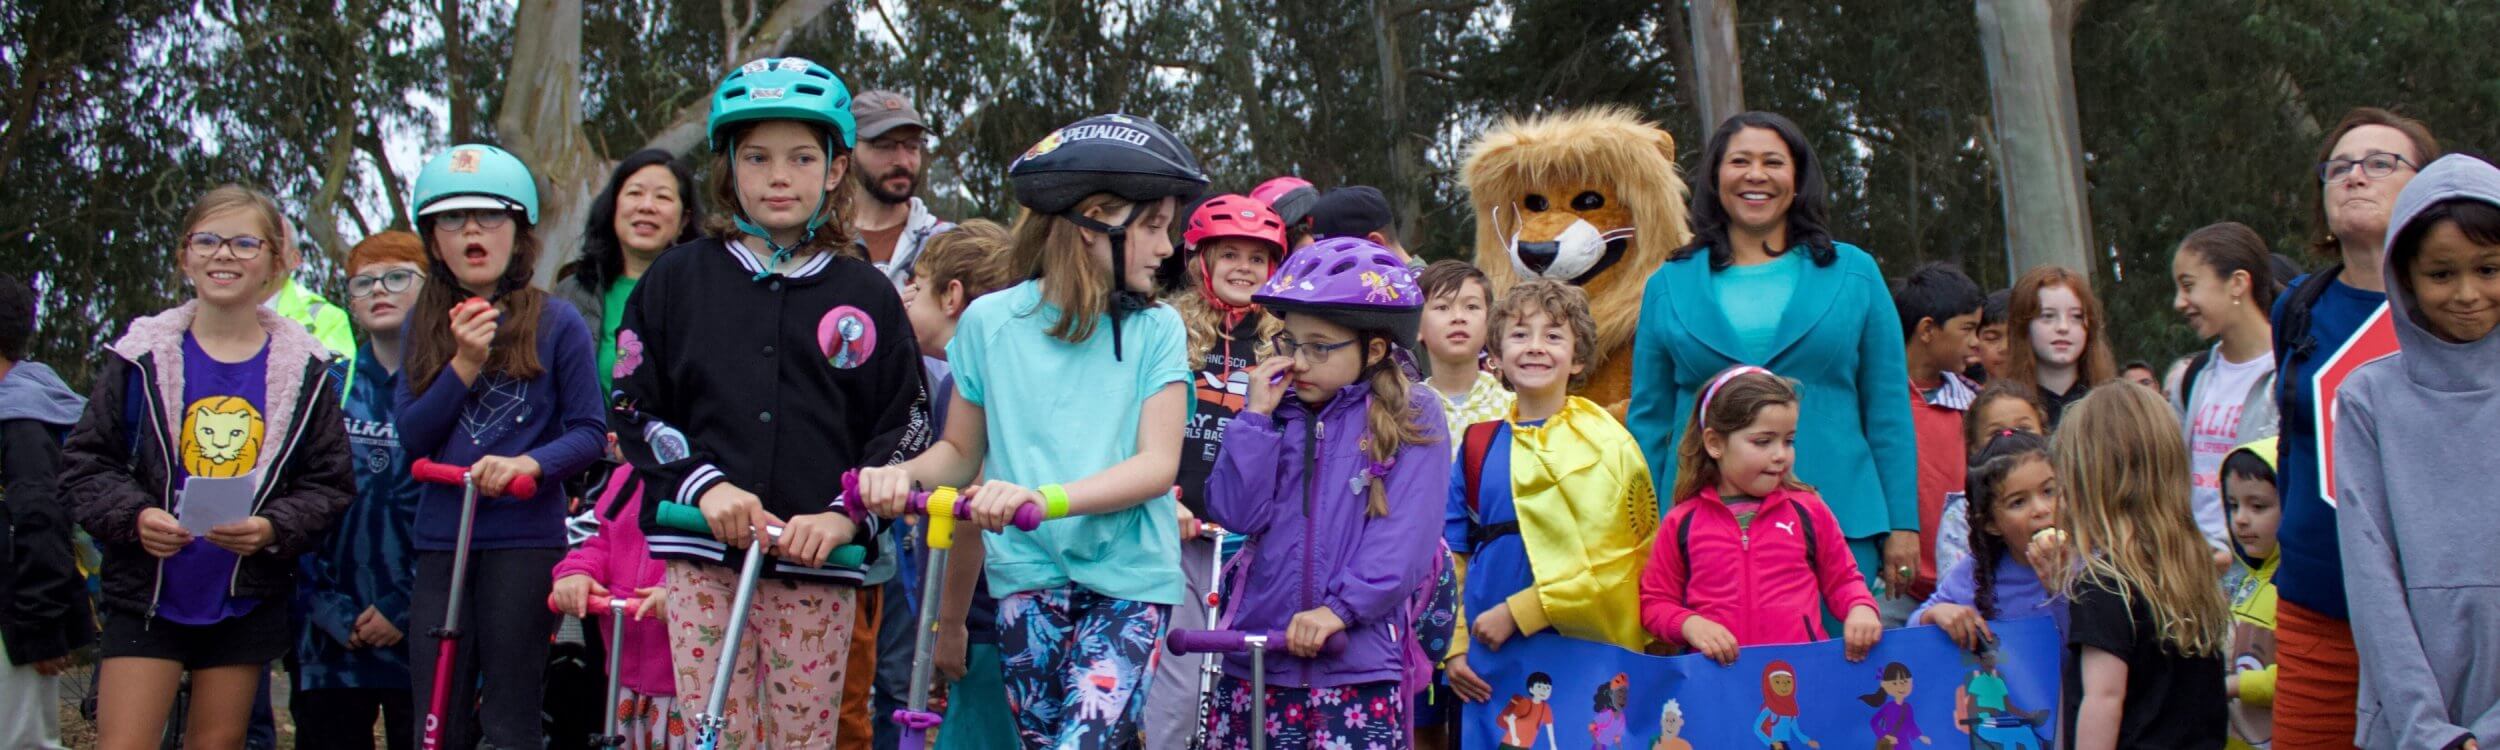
x=31, y=390
x=2415, y=438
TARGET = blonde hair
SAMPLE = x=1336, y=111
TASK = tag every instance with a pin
x=1199, y=317
x=974, y=253
x=1392, y=423
x=1739, y=398
x=2123, y=464
x=1052, y=249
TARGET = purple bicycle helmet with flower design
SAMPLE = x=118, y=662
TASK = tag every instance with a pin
x=1351, y=281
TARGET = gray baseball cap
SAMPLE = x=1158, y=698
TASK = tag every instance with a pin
x=881, y=111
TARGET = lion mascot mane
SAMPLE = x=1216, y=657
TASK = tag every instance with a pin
x=1588, y=197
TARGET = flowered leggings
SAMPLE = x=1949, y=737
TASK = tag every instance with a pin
x=1077, y=665
x=1368, y=715
x=789, y=674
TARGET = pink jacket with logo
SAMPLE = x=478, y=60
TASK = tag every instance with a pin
x=1761, y=582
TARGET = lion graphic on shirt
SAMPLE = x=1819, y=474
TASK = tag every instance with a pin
x=220, y=437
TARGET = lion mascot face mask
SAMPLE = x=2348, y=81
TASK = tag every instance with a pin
x=1588, y=197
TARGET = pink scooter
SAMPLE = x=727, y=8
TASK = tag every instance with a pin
x=448, y=636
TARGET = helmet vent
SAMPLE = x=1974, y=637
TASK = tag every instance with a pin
x=1341, y=267
x=810, y=89
x=820, y=73
x=736, y=93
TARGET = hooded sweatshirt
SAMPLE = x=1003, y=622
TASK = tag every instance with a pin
x=45, y=610
x=2413, y=440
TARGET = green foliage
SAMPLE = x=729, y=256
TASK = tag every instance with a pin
x=118, y=112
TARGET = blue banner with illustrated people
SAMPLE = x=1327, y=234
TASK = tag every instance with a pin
x=1915, y=690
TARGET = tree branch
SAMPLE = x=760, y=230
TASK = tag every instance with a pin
x=896, y=32
x=370, y=141
x=1437, y=75
x=1459, y=6
x=686, y=129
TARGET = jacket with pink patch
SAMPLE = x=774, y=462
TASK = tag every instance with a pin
x=1762, y=582
x=120, y=458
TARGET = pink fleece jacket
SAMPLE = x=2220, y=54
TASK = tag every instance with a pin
x=618, y=558
x=1757, y=581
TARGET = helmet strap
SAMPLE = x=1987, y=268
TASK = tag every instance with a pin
x=1233, y=314
x=815, y=221
x=1123, y=299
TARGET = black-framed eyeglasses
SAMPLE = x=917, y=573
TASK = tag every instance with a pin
x=1314, y=353
x=486, y=218
x=241, y=246
x=2376, y=166
x=392, y=281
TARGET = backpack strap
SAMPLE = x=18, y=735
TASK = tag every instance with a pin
x=2187, y=382
x=2292, y=340
x=1477, y=442
x=2293, y=343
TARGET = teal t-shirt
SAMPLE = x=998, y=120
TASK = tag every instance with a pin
x=611, y=314
x=1059, y=412
x=1754, y=296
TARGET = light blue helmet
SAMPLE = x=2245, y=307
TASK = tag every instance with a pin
x=475, y=175
x=782, y=88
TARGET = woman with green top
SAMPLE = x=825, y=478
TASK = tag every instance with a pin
x=1764, y=284
x=649, y=206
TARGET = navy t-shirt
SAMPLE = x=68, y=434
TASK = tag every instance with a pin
x=221, y=435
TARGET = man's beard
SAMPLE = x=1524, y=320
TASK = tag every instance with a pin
x=876, y=187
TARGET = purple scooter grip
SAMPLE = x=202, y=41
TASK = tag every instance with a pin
x=1182, y=642
x=1027, y=518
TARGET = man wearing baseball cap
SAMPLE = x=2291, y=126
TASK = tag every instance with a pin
x=890, y=217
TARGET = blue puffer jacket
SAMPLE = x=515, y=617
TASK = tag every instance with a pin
x=367, y=560
x=1291, y=485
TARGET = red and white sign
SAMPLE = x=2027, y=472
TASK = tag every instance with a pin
x=2375, y=341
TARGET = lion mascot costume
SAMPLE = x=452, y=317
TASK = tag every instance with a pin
x=1587, y=197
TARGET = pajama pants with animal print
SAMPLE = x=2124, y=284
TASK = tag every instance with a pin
x=788, y=679
x=1077, y=665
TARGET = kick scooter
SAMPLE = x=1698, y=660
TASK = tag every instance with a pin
x=447, y=637
x=1235, y=641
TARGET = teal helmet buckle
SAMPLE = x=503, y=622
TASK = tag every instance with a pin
x=781, y=88
x=476, y=175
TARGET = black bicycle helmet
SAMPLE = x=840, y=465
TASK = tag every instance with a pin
x=1127, y=156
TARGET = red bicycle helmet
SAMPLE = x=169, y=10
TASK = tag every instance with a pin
x=1233, y=215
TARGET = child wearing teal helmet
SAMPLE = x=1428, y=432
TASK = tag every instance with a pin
x=754, y=366
x=500, y=378
x=1082, y=601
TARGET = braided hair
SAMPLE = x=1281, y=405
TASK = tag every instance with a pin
x=2008, y=450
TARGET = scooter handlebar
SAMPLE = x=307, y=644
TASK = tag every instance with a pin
x=683, y=517
x=1183, y=642
x=599, y=605
x=427, y=471
x=1028, y=517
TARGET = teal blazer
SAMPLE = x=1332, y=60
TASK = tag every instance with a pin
x=1839, y=339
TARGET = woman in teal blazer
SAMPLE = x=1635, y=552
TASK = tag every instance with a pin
x=1815, y=311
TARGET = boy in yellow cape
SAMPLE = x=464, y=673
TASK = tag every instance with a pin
x=1551, y=509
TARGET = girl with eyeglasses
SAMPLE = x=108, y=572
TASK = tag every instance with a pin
x=351, y=653
x=218, y=388
x=499, y=379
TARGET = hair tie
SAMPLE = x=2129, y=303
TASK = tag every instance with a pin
x=1702, y=411
x=1375, y=470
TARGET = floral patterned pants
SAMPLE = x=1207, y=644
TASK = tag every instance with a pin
x=1077, y=665
x=788, y=680
x=1361, y=717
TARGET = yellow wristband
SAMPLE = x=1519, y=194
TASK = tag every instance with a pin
x=1054, y=501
